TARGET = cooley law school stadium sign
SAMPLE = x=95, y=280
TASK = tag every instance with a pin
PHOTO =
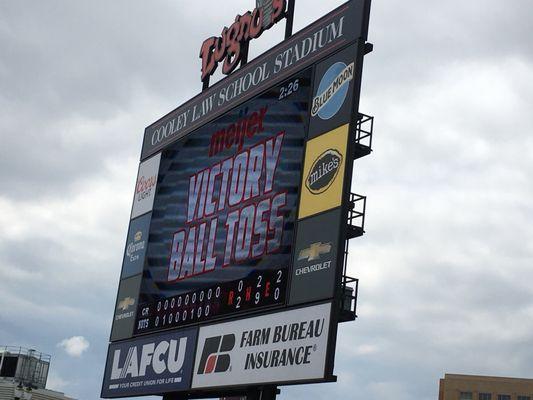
x=233, y=277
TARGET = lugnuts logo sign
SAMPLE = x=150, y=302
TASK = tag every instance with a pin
x=230, y=46
x=324, y=171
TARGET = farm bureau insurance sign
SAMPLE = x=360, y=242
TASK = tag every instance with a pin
x=269, y=348
x=328, y=34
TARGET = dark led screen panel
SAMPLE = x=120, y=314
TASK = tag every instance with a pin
x=223, y=218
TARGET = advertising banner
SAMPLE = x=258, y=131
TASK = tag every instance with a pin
x=280, y=347
x=323, y=173
x=136, y=245
x=150, y=365
x=315, y=258
x=146, y=186
x=127, y=300
x=333, y=92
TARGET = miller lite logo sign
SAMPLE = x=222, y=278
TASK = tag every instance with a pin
x=229, y=47
x=149, y=365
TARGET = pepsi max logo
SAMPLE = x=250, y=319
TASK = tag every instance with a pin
x=332, y=90
x=323, y=171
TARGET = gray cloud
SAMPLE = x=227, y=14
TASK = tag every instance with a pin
x=444, y=266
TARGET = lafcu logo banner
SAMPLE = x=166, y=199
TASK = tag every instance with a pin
x=150, y=365
x=281, y=347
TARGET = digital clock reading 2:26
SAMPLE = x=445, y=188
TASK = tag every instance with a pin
x=260, y=289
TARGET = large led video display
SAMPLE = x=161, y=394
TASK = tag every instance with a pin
x=223, y=218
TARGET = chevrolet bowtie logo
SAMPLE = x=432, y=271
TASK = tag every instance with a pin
x=314, y=251
x=126, y=303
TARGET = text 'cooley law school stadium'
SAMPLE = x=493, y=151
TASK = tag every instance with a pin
x=234, y=270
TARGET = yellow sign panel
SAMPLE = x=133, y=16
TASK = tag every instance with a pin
x=323, y=174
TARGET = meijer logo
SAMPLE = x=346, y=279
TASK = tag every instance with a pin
x=215, y=357
x=157, y=357
x=332, y=90
x=323, y=171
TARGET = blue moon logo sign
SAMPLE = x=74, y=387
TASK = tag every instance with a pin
x=332, y=90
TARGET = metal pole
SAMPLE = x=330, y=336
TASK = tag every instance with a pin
x=205, y=83
x=268, y=393
x=290, y=19
x=263, y=393
x=244, y=54
x=2, y=360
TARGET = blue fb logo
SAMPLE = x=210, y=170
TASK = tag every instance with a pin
x=332, y=90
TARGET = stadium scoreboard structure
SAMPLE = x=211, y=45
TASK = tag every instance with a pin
x=233, y=274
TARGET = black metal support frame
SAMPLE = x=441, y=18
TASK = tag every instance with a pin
x=356, y=216
x=362, y=146
x=290, y=19
x=350, y=285
x=364, y=129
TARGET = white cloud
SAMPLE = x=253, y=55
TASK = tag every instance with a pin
x=74, y=346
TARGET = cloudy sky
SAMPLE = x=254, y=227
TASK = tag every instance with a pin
x=446, y=266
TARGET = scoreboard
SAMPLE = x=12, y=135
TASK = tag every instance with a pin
x=222, y=226
x=231, y=275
